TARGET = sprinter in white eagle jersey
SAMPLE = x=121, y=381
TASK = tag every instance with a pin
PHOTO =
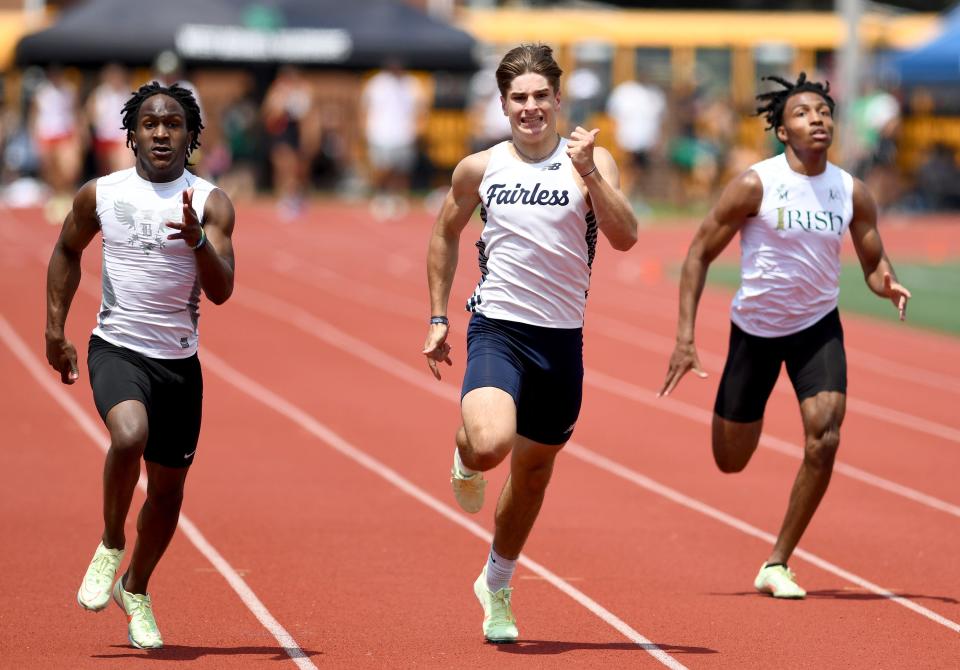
x=166, y=236
x=792, y=211
x=542, y=199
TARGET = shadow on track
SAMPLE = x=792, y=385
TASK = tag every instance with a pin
x=175, y=652
x=551, y=647
x=848, y=594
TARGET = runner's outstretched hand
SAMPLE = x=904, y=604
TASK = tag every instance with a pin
x=898, y=294
x=190, y=229
x=683, y=359
x=436, y=348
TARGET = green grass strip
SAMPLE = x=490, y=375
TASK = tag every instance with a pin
x=935, y=288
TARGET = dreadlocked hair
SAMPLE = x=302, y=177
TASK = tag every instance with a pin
x=777, y=100
x=131, y=111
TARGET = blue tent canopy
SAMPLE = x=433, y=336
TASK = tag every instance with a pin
x=937, y=61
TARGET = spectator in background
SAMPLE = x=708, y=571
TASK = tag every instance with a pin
x=241, y=135
x=58, y=139
x=286, y=108
x=103, y=110
x=393, y=109
x=938, y=179
x=876, y=117
x=20, y=163
x=168, y=70
x=584, y=95
x=637, y=110
x=489, y=124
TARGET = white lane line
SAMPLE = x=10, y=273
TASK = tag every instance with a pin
x=692, y=412
x=935, y=380
x=876, y=364
x=643, y=339
x=282, y=310
x=325, y=279
x=615, y=468
x=47, y=381
x=264, y=395
x=421, y=379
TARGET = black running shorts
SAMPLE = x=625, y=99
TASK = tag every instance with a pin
x=170, y=389
x=815, y=358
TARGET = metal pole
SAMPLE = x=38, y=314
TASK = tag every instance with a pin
x=33, y=11
x=850, y=72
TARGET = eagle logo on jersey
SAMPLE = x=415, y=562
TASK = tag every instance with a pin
x=146, y=225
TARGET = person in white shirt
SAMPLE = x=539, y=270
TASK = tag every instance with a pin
x=59, y=139
x=103, y=111
x=543, y=198
x=393, y=107
x=637, y=109
x=791, y=211
x=166, y=237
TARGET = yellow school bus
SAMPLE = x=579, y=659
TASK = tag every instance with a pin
x=731, y=50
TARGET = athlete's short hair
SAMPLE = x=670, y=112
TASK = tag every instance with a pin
x=777, y=100
x=131, y=111
x=535, y=58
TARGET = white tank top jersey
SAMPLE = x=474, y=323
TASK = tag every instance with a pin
x=790, y=251
x=151, y=293
x=538, y=241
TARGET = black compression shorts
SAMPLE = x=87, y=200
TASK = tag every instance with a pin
x=171, y=390
x=815, y=358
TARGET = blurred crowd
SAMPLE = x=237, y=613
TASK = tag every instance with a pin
x=290, y=136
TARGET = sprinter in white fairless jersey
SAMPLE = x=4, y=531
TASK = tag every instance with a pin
x=543, y=199
x=792, y=212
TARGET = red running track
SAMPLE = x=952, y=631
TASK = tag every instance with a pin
x=321, y=481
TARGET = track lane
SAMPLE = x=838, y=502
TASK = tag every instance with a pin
x=581, y=533
x=399, y=301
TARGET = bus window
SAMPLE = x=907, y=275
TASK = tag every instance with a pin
x=654, y=65
x=713, y=68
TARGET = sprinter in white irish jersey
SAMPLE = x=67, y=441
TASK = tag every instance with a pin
x=792, y=212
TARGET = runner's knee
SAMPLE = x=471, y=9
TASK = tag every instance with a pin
x=166, y=501
x=489, y=446
x=533, y=479
x=729, y=461
x=821, y=450
x=128, y=438
x=734, y=443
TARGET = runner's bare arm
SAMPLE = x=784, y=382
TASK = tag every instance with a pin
x=740, y=200
x=444, y=247
x=63, y=278
x=598, y=171
x=877, y=269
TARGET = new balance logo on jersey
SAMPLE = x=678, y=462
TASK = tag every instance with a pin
x=788, y=219
x=552, y=166
x=501, y=195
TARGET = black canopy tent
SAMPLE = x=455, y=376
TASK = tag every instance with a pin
x=126, y=31
x=336, y=33
x=331, y=33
